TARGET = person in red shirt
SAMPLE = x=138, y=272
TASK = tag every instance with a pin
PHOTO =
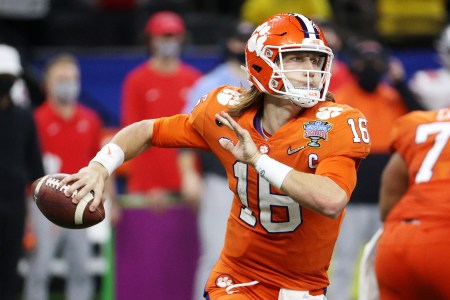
x=157, y=88
x=290, y=154
x=411, y=256
x=69, y=135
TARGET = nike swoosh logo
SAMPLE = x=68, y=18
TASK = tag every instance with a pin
x=292, y=151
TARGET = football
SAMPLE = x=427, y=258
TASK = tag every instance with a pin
x=48, y=194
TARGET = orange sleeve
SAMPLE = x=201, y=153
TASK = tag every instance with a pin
x=351, y=144
x=189, y=131
x=404, y=130
x=340, y=169
x=351, y=139
x=177, y=132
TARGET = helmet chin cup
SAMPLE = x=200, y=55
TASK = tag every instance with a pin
x=298, y=100
x=304, y=96
x=303, y=102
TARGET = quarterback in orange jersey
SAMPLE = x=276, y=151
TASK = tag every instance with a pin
x=411, y=256
x=290, y=153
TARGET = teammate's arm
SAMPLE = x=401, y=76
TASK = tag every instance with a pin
x=394, y=183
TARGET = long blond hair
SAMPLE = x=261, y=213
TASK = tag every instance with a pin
x=254, y=98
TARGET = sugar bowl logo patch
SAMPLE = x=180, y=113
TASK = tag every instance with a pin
x=316, y=131
x=224, y=280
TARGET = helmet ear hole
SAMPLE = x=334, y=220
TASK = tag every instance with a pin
x=256, y=68
x=269, y=53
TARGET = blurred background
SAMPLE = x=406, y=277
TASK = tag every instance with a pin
x=107, y=36
x=108, y=39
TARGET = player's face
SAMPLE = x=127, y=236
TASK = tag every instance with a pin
x=303, y=62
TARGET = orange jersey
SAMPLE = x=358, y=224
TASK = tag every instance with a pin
x=270, y=237
x=381, y=108
x=422, y=139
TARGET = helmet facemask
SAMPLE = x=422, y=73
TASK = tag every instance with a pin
x=314, y=82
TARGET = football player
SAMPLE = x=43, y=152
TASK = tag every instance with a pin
x=290, y=154
x=410, y=259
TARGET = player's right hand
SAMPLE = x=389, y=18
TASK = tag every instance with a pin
x=90, y=178
x=245, y=149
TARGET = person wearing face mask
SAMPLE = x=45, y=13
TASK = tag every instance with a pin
x=379, y=90
x=62, y=123
x=20, y=164
x=209, y=189
x=157, y=88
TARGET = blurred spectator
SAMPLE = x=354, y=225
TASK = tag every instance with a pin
x=211, y=191
x=22, y=25
x=256, y=11
x=357, y=16
x=26, y=91
x=382, y=104
x=145, y=92
x=156, y=88
x=432, y=86
x=20, y=163
x=62, y=122
x=339, y=70
x=410, y=258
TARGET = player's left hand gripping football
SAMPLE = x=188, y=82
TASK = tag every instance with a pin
x=90, y=178
x=245, y=149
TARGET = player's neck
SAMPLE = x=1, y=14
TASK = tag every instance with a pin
x=276, y=113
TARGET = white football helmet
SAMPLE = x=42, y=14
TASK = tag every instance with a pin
x=273, y=40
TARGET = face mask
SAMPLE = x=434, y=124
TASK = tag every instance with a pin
x=369, y=78
x=66, y=91
x=167, y=49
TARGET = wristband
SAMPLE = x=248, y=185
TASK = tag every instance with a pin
x=272, y=170
x=110, y=156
